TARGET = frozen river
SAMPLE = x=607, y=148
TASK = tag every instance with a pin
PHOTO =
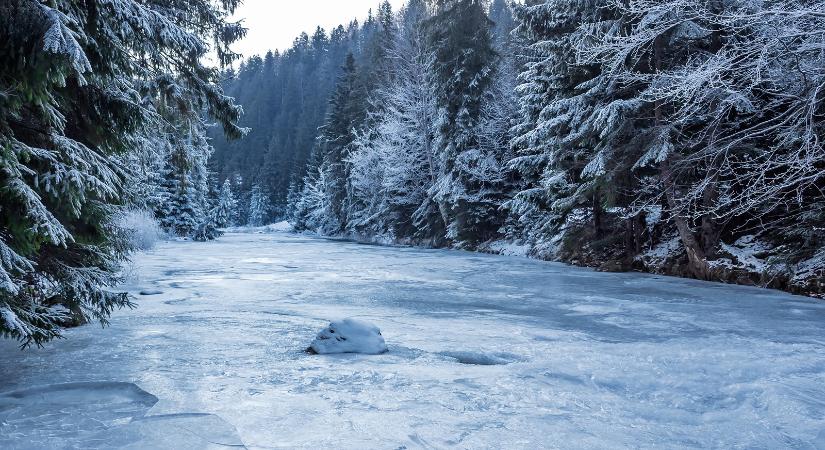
x=485, y=352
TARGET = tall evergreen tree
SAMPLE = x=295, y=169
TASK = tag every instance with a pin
x=468, y=190
x=260, y=209
x=225, y=211
x=72, y=87
x=346, y=112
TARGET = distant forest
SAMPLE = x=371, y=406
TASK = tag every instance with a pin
x=680, y=137
x=672, y=136
x=285, y=97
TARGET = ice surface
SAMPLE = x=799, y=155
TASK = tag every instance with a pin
x=349, y=336
x=172, y=431
x=593, y=360
x=61, y=415
x=103, y=415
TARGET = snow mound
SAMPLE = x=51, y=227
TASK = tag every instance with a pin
x=349, y=336
x=282, y=226
x=103, y=415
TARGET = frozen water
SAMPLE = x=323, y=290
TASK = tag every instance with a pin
x=349, y=336
x=171, y=431
x=62, y=415
x=103, y=415
x=583, y=359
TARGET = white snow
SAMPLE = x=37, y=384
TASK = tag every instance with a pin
x=667, y=248
x=810, y=268
x=349, y=336
x=508, y=248
x=280, y=227
x=745, y=251
x=485, y=351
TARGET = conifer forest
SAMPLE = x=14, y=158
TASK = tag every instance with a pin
x=578, y=223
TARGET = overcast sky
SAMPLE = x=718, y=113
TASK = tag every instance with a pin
x=274, y=24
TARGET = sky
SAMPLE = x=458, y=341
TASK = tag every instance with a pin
x=274, y=24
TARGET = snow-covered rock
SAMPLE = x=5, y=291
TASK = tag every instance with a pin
x=349, y=336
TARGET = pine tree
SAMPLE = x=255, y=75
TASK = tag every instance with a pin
x=346, y=112
x=468, y=190
x=225, y=211
x=260, y=208
x=72, y=87
x=393, y=161
x=565, y=137
x=242, y=195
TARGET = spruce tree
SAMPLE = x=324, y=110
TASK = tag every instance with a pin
x=346, y=112
x=225, y=211
x=467, y=196
x=564, y=141
x=260, y=209
x=72, y=88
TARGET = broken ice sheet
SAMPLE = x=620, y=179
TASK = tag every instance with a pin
x=103, y=415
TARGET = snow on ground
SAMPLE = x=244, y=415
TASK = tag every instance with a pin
x=280, y=227
x=485, y=351
x=509, y=248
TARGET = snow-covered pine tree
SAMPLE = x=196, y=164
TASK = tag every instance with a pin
x=393, y=164
x=225, y=211
x=345, y=114
x=731, y=87
x=566, y=137
x=312, y=210
x=260, y=208
x=185, y=207
x=468, y=189
x=71, y=106
x=177, y=213
x=242, y=192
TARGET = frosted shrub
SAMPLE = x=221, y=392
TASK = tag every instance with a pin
x=142, y=229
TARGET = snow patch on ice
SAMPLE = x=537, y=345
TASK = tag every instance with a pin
x=349, y=336
x=481, y=358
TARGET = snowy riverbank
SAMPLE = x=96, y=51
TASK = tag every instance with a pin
x=485, y=351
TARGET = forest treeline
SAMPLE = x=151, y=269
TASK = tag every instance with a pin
x=672, y=136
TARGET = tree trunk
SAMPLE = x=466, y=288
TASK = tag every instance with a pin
x=710, y=229
x=598, y=214
x=697, y=259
